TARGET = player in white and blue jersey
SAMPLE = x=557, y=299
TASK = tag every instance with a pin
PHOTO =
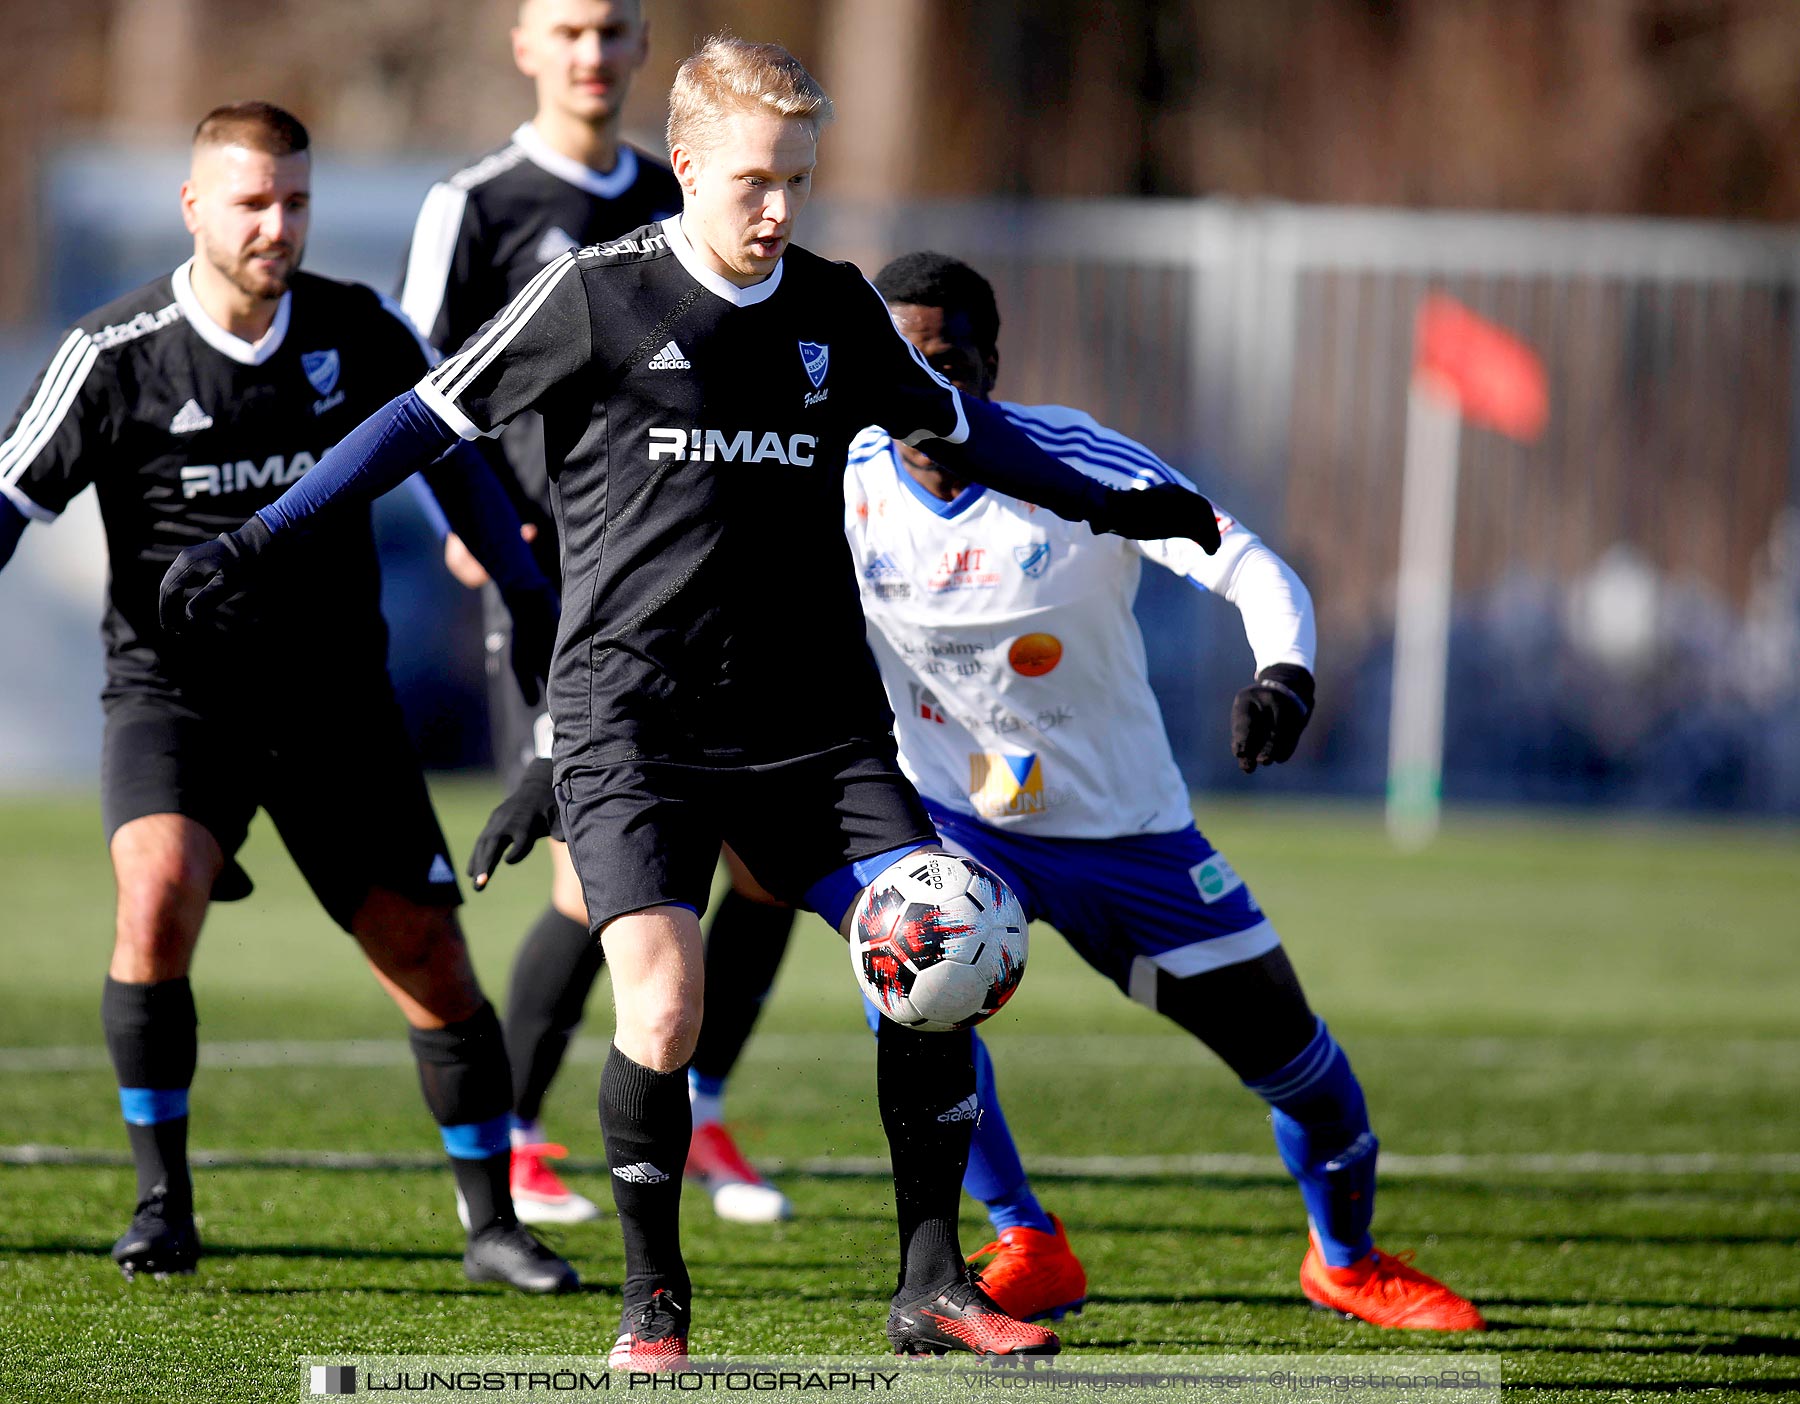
x=1006, y=640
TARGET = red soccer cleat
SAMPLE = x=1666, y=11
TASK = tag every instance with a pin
x=1032, y=1274
x=652, y=1336
x=1386, y=1290
x=539, y=1196
x=738, y=1192
x=963, y=1317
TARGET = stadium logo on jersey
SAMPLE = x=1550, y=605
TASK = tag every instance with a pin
x=322, y=369
x=1033, y=655
x=554, y=244
x=1215, y=878
x=926, y=706
x=190, y=419
x=715, y=446
x=214, y=479
x=1033, y=558
x=1004, y=786
x=816, y=357
x=669, y=358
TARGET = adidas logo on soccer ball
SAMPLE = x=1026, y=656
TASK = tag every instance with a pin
x=643, y=1173
x=670, y=358
x=968, y=1109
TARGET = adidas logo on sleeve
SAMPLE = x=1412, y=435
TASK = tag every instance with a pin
x=968, y=1109
x=670, y=358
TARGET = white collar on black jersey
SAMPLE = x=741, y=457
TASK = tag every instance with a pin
x=608, y=185
x=711, y=281
x=249, y=353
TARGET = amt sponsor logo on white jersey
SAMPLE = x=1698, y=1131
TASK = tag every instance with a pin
x=740, y=446
x=215, y=479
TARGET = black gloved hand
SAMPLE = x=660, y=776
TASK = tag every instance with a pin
x=534, y=612
x=207, y=579
x=517, y=823
x=1162, y=510
x=1268, y=716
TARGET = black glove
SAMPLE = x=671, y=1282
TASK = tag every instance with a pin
x=517, y=823
x=207, y=579
x=1162, y=510
x=534, y=612
x=1268, y=716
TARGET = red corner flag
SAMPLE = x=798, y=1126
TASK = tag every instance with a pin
x=1495, y=378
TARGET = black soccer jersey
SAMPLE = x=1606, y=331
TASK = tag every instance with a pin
x=184, y=430
x=488, y=230
x=696, y=436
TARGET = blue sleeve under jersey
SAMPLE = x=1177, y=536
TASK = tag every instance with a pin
x=12, y=527
x=428, y=505
x=998, y=455
x=378, y=455
x=398, y=440
x=476, y=507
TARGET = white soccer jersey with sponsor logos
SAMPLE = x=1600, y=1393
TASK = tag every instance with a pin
x=1007, y=643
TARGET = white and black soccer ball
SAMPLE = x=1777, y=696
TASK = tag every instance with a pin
x=938, y=942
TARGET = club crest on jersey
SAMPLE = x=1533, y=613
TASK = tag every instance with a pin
x=1033, y=558
x=816, y=357
x=321, y=369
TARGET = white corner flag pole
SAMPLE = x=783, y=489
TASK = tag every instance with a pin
x=1422, y=615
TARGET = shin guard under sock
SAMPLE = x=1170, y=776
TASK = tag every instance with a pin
x=151, y=1034
x=925, y=1084
x=996, y=1176
x=1322, y=1131
x=552, y=975
x=645, y=1122
x=463, y=1072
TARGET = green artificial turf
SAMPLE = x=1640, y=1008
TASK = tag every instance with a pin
x=1530, y=986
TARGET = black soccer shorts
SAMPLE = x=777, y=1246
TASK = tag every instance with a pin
x=338, y=779
x=646, y=833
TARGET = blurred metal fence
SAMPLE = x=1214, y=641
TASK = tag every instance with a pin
x=1628, y=616
x=1628, y=582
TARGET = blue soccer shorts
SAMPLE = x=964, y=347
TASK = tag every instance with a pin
x=1130, y=906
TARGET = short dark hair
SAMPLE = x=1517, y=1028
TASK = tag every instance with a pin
x=261, y=126
x=938, y=280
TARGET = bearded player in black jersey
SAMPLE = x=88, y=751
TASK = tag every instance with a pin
x=700, y=382
x=204, y=394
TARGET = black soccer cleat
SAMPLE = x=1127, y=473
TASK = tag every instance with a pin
x=511, y=1254
x=652, y=1336
x=158, y=1242
x=963, y=1317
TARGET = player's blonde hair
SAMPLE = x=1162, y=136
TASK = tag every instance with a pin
x=727, y=74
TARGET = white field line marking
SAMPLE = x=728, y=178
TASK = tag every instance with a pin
x=1098, y=1050
x=1091, y=1167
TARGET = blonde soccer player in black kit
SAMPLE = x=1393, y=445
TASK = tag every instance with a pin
x=700, y=381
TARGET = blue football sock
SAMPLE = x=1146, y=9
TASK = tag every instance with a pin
x=1322, y=1132
x=995, y=1175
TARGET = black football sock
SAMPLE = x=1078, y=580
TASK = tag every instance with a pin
x=462, y=1069
x=645, y=1122
x=925, y=1083
x=552, y=974
x=151, y=1035
x=744, y=947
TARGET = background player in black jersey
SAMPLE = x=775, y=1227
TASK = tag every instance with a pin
x=563, y=180
x=186, y=403
x=700, y=382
